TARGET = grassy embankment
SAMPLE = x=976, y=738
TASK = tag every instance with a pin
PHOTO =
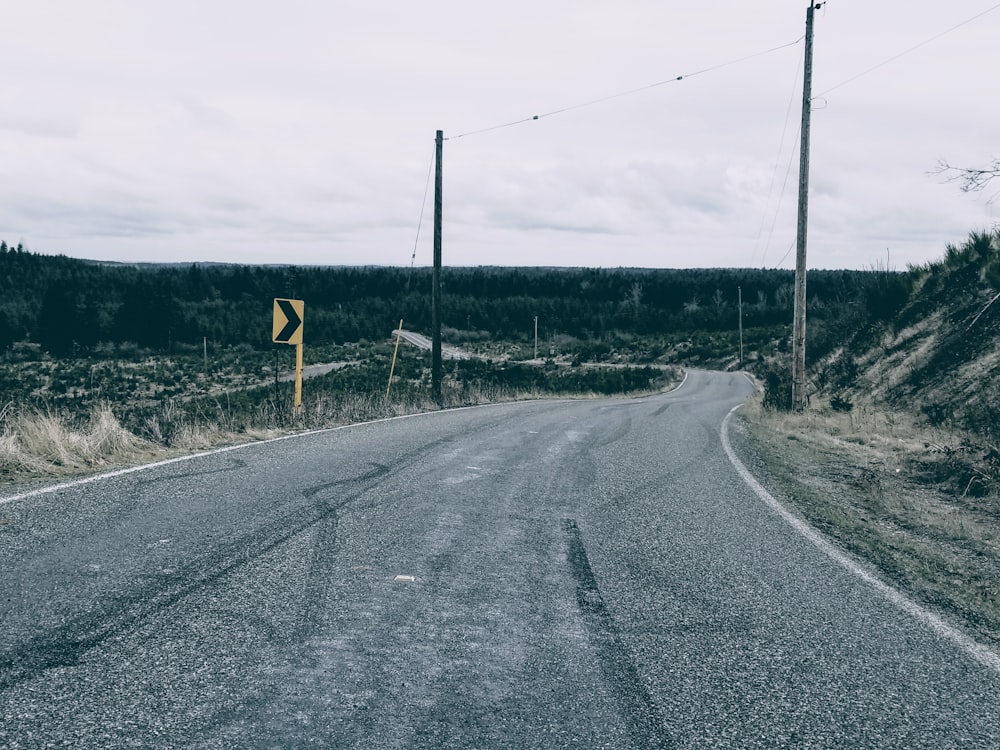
x=897, y=458
x=896, y=495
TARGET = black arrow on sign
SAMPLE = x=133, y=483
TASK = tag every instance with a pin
x=294, y=321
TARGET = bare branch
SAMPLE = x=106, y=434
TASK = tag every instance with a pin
x=976, y=319
x=972, y=180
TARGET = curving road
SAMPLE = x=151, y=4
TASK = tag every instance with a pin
x=584, y=574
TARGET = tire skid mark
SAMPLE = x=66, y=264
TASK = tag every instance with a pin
x=641, y=715
x=662, y=409
x=232, y=464
x=376, y=472
x=67, y=645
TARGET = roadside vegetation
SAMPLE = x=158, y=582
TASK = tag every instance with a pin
x=180, y=355
x=897, y=456
x=72, y=415
x=896, y=493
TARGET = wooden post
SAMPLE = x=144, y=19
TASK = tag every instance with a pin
x=741, y=324
x=799, y=321
x=436, y=277
x=298, y=379
x=392, y=367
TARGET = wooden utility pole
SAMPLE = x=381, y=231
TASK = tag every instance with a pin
x=799, y=322
x=436, y=277
x=741, y=323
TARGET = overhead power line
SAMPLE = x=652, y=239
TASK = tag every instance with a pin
x=420, y=221
x=908, y=51
x=774, y=175
x=621, y=94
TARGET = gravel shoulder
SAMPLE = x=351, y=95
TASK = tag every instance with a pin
x=866, y=489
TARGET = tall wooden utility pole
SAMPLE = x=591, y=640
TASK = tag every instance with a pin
x=799, y=322
x=741, y=324
x=436, y=277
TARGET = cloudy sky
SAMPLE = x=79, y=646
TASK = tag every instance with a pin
x=302, y=131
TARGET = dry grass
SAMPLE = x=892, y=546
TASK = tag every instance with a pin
x=35, y=443
x=897, y=495
x=887, y=366
x=41, y=443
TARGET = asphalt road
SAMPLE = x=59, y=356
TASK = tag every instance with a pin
x=586, y=574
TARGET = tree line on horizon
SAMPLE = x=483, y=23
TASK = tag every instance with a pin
x=69, y=306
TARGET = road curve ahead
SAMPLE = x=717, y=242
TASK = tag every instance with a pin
x=584, y=574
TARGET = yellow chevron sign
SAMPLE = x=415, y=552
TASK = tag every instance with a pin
x=287, y=325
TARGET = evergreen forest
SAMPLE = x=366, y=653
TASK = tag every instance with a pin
x=70, y=307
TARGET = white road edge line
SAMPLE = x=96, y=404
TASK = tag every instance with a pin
x=683, y=381
x=977, y=651
x=49, y=489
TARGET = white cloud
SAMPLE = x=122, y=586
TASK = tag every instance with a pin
x=303, y=131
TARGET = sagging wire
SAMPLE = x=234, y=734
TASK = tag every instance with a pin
x=908, y=51
x=774, y=172
x=787, y=253
x=621, y=94
x=420, y=221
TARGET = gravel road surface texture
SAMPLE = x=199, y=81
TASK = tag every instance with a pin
x=552, y=574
